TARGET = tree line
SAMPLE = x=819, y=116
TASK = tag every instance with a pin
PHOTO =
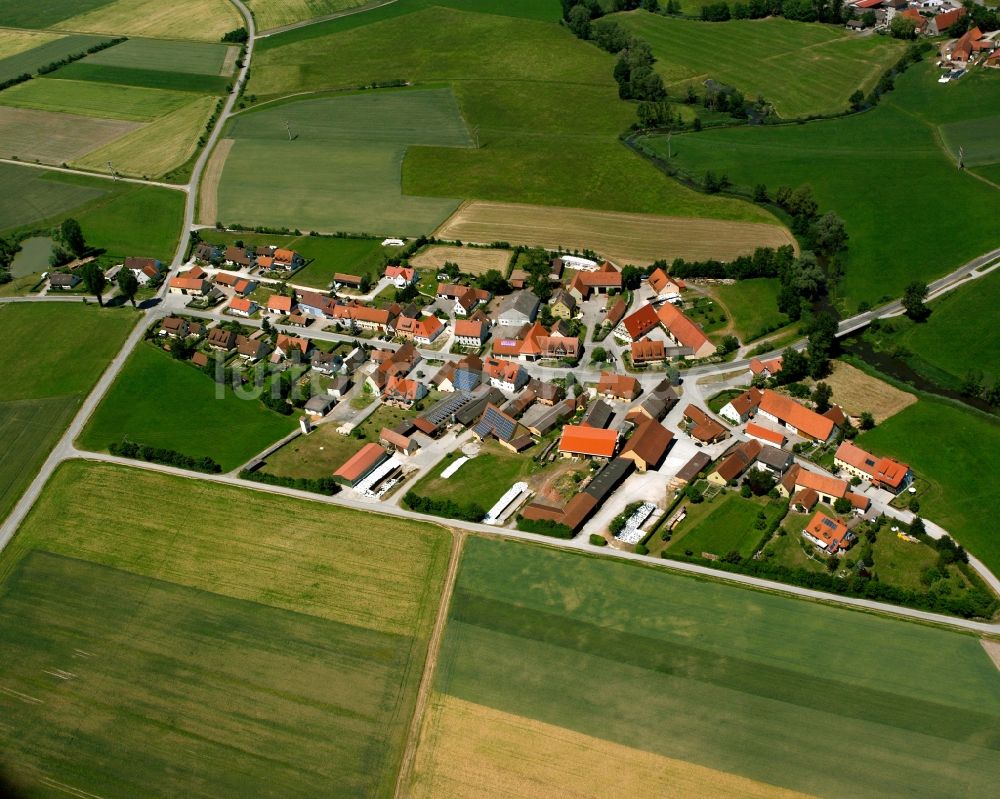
x=168, y=457
x=467, y=511
x=321, y=485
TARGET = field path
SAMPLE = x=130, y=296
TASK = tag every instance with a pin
x=430, y=666
x=208, y=192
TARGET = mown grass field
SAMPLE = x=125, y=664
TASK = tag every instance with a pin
x=26, y=51
x=483, y=479
x=543, y=102
x=166, y=403
x=715, y=682
x=37, y=197
x=897, y=230
x=341, y=171
x=147, y=78
x=30, y=14
x=200, y=20
x=957, y=337
x=215, y=654
x=950, y=447
x=275, y=13
x=471, y=260
x=105, y=100
x=723, y=525
x=157, y=148
x=977, y=137
x=800, y=71
x=752, y=306
x=67, y=136
x=197, y=58
x=43, y=386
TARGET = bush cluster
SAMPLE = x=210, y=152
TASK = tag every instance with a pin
x=544, y=527
x=469, y=512
x=168, y=457
x=322, y=485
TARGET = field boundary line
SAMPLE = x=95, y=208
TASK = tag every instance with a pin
x=105, y=176
x=430, y=667
x=327, y=18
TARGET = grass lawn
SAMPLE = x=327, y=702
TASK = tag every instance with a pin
x=105, y=100
x=483, y=479
x=753, y=307
x=166, y=403
x=316, y=455
x=30, y=14
x=956, y=339
x=948, y=446
x=201, y=20
x=897, y=231
x=730, y=681
x=262, y=654
x=787, y=549
x=722, y=525
x=196, y=58
x=800, y=72
x=155, y=149
x=342, y=170
x=42, y=391
x=901, y=562
x=26, y=51
x=514, y=78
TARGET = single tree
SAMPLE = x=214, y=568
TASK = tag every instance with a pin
x=94, y=280
x=821, y=396
x=829, y=234
x=913, y=301
x=128, y=285
x=867, y=420
x=71, y=236
x=917, y=527
x=599, y=355
x=842, y=505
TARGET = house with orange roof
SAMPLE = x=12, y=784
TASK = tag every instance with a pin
x=828, y=534
x=648, y=444
x=702, y=426
x=919, y=21
x=939, y=24
x=243, y=287
x=361, y=464
x=964, y=47
x=637, y=324
x=505, y=375
x=471, y=332
x=227, y=279
x=419, y=328
x=881, y=472
x=280, y=304
x=685, y=332
x=738, y=460
x=824, y=488
x=768, y=368
x=366, y=317
x=797, y=418
x=400, y=276
x=765, y=435
x=403, y=392
x=647, y=351
x=286, y=259
x=606, y=278
x=189, y=286
x=347, y=279
x=288, y=345
x=588, y=442
x=664, y=287
x=615, y=386
x=742, y=407
x=534, y=341
x=241, y=306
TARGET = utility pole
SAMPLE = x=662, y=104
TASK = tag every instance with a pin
x=475, y=136
x=669, y=151
x=288, y=128
x=961, y=158
x=114, y=175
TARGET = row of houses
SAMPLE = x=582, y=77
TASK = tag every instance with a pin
x=266, y=258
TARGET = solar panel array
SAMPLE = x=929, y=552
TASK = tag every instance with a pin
x=466, y=380
x=497, y=423
x=443, y=410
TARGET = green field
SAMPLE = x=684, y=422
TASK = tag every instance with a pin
x=954, y=340
x=717, y=676
x=752, y=306
x=949, y=447
x=106, y=100
x=39, y=196
x=723, y=525
x=543, y=102
x=342, y=170
x=211, y=655
x=41, y=391
x=166, y=403
x=483, y=479
x=197, y=58
x=30, y=14
x=977, y=137
x=148, y=78
x=799, y=70
x=908, y=179
x=30, y=60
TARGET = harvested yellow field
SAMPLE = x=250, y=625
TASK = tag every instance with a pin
x=14, y=41
x=275, y=13
x=158, y=147
x=636, y=239
x=475, y=752
x=855, y=391
x=208, y=192
x=471, y=260
x=200, y=20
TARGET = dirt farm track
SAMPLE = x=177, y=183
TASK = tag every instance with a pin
x=637, y=239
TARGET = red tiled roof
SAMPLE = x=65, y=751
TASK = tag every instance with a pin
x=757, y=431
x=469, y=328
x=659, y=280
x=278, y=302
x=240, y=304
x=288, y=343
x=616, y=312
x=682, y=328
x=705, y=427
x=772, y=366
x=640, y=322
x=363, y=461
x=647, y=350
x=649, y=442
x=617, y=385
x=948, y=18
x=821, y=483
x=739, y=460
x=798, y=416
x=285, y=256
x=591, y=441
x=830, y=531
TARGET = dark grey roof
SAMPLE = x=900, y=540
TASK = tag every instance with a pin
x=609, y=478
x=524, y=302
x=470, y=413
x=63, y=280
x=320, y=403
x=690, y=470
x=775, y=458
x=541, y=419
x=598, y=414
